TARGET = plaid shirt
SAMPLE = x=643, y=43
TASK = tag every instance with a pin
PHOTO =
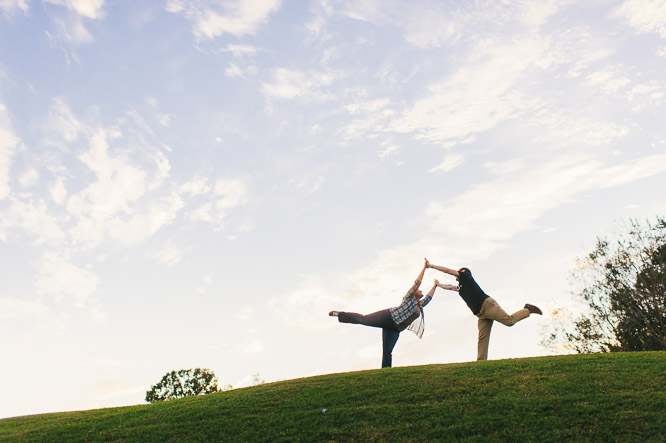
x=408, y=312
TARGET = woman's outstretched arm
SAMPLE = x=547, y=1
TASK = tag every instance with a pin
x=426, y=299
x=417, y=283
x=425, y=266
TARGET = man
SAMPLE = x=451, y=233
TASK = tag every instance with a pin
x=392, y=321
x=481, y=305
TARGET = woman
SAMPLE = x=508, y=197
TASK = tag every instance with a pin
x=408, y=315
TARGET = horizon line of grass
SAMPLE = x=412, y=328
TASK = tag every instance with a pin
x=591, y=397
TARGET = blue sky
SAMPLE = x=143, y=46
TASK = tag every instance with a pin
x=197, y=183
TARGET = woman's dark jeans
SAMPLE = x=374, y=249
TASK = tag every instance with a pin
x=380, y=319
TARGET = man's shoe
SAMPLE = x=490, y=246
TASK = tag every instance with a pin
x=334, y=313
x=533, y=309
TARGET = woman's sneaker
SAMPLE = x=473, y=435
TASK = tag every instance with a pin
x=533, y=309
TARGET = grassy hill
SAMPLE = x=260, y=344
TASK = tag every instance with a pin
x=600, y=397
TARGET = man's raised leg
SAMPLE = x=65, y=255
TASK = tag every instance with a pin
x=493, y=311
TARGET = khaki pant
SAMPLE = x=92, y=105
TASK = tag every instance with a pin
x=491, y=311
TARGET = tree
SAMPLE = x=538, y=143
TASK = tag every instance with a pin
x=183, y=383
x=257, y=380
x=624, y=291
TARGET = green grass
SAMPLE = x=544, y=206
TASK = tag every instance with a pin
x=599, y=397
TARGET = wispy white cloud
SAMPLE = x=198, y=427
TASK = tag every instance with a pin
x=29, y=178
x=72, y=30
x=245, y=314
x=307, y=183
x=92, y=9
x=236, y=17
x=606, y=81
x=478, y=96
x=651, y=93
x=34, y=218
x=13, y=6
x=169, y=254
x=220, y=197
x=432, y=24
x=17, y=309
x=506, y=167
x=99, y=189
x=233, y=71
x=110, y=205
x=240, y=51
x=61, y=279
x=536, y=12
x=645, y=15
x=289, y=84
x=203, y=213
x=564, y=128
x=370, y=116
x=389, y=151
x=237, y=71
x=321, y=10
x=70, y=27
x=206, y=284
x=137, y=228
x=230, y=193
x=578, y=52
x=58, y=191
x=497, y=211
x=175, y=6
x=8, y=143
x=363, y=106
x=253, y=347
x=118, y=184
x=196, y=186
x=449, y=163
x=500, y=81
x=435, y=24
x=61, y=126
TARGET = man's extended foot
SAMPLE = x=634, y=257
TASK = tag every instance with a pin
x=334, y=313
x=533, y=309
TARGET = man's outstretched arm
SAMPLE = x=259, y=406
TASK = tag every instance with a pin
x=443, y=269
x=449, y=287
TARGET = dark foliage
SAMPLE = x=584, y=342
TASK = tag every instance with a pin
x=183, y=383
x=624, y=287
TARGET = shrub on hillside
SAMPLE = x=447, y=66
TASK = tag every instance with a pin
x=624, y=290
x=183, y=383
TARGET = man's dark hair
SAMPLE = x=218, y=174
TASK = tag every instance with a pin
x=465, y=271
